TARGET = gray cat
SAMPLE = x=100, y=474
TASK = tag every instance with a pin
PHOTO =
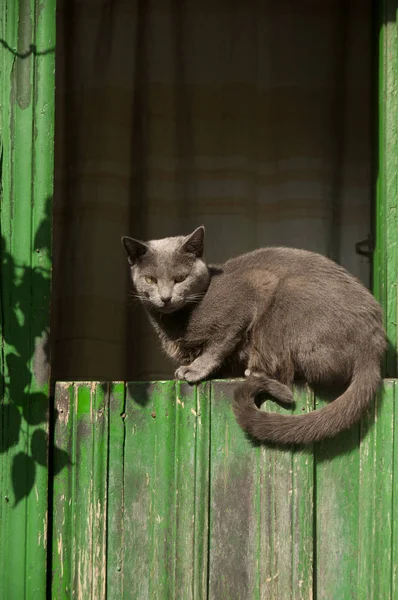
x=273, y=314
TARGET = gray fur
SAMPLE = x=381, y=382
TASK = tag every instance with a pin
x=275, y=313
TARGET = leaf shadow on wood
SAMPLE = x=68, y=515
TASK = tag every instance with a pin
x=24, y=408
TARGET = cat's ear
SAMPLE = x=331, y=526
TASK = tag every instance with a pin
x=194, y=243
x=134, y=248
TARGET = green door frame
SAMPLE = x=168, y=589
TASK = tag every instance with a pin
x=27, y=67
x=386, y=219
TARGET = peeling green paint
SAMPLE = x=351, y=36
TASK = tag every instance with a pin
x=24, y=60
x=26, y=138
x=386, y=208
x=191, y=509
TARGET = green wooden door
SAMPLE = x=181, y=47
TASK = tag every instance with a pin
x=166, y=498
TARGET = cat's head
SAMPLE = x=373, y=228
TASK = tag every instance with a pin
x=170, y=273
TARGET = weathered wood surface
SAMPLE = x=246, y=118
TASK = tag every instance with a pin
x=27, y=61
x=166, y=498
x=385, y=263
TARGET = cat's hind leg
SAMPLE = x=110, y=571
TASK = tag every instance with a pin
x=270, y=374
x=274, y=380
x=264, y=384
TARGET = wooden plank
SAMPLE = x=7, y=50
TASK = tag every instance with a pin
x=303, y=510
x=337, y=514
x=261, y=510
x=191, y=491
x=394, y=518
x=80, y=499
x=202, y=492
x=116, y=510
x=376, y=495
x=63, y=486
x=98, y=503
x=233, y=518
x=149, y=498
x=286, y=515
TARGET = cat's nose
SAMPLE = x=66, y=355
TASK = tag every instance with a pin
x=165, y=299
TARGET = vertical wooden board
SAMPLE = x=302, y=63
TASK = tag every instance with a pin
x=368, y=493
x=202, y=492
x=394, y=536
x=261, y=509
x=63, y=488
x=233, y=546
x=43, y=18
x=191, y=470
x=89, y=503
x=303, y=510
x=116, y=509
x=376, y=516
x=80, y=541
x=98, y=485
x=337, y=510
x=158, y=491
x=184, y=488
x=286, y=515
x=149, y=491
x=82, y=508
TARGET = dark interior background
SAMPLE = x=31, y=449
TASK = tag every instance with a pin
x=253, y=118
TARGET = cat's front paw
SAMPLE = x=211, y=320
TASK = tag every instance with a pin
x=189, y=374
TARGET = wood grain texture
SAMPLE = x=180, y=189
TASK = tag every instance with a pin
x=115, y=508
x=26, y=189
x=261, y=510
x=337, y=514
x=377, y=496
x=80, y=492
x=385, y=264
x=167, y=498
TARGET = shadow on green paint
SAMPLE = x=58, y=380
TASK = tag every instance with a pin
x=24, y=412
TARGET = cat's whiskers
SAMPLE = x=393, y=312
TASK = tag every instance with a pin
x=195, y=297
x=139, y=297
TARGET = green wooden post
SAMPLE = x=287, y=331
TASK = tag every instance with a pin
x=386, y=255
x=27, y=53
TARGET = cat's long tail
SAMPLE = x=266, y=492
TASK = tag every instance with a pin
x=304, y=429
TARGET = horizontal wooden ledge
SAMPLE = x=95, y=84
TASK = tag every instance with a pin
x=169, y=381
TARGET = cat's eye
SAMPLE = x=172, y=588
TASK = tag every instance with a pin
x=151, y=280
x=180, y=278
